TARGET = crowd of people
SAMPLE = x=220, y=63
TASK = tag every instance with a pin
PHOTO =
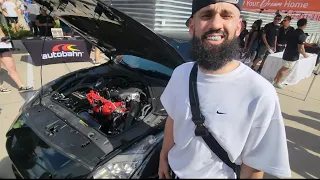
x=276, y=36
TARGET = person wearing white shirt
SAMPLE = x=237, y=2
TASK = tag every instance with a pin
x=241, y=109
x=10, y=11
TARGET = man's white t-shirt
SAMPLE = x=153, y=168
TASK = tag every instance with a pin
x=251, y=129
x=10, y=7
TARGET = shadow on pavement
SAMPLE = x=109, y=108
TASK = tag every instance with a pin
x=305, y=121
x=302, y=162
x=4, y=76
x=5, y=169
x=19, y=50
x=24, y=58
x=312, y=114
x=268, y=176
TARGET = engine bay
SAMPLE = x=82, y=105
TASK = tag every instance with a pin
x=111, y=104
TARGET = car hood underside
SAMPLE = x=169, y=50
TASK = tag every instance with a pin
x=112, y=31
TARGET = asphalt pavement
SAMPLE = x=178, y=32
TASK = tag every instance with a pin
x=302, y=118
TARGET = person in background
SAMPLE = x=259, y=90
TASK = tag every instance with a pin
x=10, y=11
x=33, y=10
x=45, y=22
x=284, y=32
x=97, y=54
x=25, y=13
x=269, y=41
x=254, y=39
x=56, y=21
x=7, y=60
x=243, y=35
x=67, y=31
x=295, y=47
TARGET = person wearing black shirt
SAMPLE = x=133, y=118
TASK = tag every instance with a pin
x=269, y=41
x=284, y=32
x=243, y=35
x=67, y=31
x=45, y=21
x=295, y=46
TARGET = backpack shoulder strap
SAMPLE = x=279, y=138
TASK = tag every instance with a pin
x=201, y=129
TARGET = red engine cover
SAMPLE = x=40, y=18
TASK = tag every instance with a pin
x=107, y=106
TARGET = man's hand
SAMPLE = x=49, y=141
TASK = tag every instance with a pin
x=268, y=47
x=168, y=143
x=305, y=56
x=164, y=170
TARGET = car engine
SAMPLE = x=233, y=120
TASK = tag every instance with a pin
x=111, y=105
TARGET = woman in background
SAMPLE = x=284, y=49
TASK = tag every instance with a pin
x=7, y=60
x=11, y=11
x=252, y=44
x=243, y=35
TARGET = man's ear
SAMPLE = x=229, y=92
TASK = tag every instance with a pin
x=191, y=27
x=239, y=25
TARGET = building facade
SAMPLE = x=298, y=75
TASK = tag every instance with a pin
x=171, y=15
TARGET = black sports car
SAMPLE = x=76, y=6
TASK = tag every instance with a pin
x=100, y=122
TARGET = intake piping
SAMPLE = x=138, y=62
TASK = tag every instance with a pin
x=135, y=107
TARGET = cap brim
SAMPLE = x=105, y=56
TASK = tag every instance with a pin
x=188, y=22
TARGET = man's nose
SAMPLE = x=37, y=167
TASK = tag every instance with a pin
x=216, y=22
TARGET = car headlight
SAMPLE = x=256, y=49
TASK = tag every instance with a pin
x=124, y=165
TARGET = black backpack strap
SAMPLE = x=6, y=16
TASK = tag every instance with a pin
x=201, y=129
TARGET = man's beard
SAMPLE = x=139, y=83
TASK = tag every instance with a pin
x=214, y=57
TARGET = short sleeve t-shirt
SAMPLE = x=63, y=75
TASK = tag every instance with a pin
x=272, y=31
x=251, y=128
x=284, y=34
x=10, y=8
x=43, y=19
x=291, y=52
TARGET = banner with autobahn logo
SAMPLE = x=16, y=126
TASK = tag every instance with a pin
x=57, y=51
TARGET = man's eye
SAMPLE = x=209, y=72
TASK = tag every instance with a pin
x=206, y=16
x=226, y=16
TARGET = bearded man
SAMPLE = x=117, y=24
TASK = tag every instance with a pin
x=241, y=109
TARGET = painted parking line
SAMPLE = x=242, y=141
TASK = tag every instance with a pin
x=30, y=78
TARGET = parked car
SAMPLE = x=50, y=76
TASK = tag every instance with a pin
x=100, y=122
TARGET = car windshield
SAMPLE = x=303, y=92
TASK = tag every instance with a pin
x=143, y=64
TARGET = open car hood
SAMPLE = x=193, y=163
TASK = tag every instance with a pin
x=112, y=31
